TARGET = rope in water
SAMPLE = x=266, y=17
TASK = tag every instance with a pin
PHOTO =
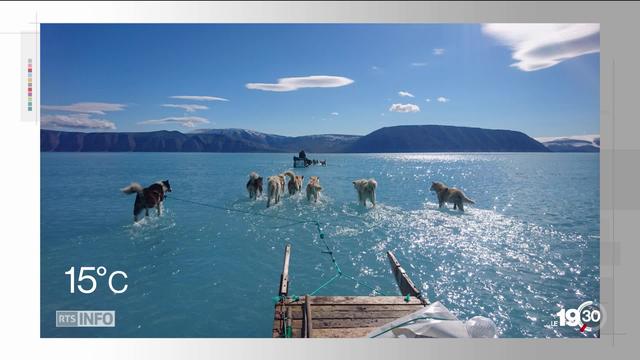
x=328, y=250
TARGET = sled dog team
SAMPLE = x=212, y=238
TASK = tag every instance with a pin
x=366, y=189
x=154, y=195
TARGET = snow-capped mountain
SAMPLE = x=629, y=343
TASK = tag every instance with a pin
x=575, y=143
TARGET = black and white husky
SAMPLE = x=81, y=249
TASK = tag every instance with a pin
x=254, y=186
x=147, y=198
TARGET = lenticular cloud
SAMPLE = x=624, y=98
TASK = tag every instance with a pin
x=295, y=83
x=540, y=46
x=404, y=108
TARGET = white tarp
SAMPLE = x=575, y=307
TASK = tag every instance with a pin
x=434, y=321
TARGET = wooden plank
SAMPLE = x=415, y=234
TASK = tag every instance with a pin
x=343, y=332
x=375, y=307
x=405, y=284
x=289, y=321
x=348, y=323
x=295, y=333
x=363, y=300
x=297, y=310
x=338, y=323
x=284, y=278
x=295, y=323
x=340, y=316
x=295, y=306
x=352, y=314
x=308, y=318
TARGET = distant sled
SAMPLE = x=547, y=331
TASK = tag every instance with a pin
x=300, y=162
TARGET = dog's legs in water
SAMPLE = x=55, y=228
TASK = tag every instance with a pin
x=159, y=207
x=460, y=206
x=454, y=206
x=146, y=211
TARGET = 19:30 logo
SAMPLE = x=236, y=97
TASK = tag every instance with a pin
x=588, y=316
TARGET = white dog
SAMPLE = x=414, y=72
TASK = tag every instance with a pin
x=366, y=191
x=275, y=188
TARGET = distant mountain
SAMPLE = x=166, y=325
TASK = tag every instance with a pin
x=576, y=143
x=418, y=138
x=440, y=138
x=327, y=143
x=210, y=140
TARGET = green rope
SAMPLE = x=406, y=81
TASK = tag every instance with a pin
x=325, y=284
x=288, y=330
x=240, y=211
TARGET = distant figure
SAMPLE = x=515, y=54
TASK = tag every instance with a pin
x=302, y=154
x=323, y=162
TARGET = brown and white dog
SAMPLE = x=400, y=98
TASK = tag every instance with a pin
x=450, y=195
x=295, y=182
x=254, y=186
x=147, y=198
x=313, y=188
x=275, y=188
x=366, y=191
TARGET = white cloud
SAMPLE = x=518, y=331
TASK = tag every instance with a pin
x=97, y=108
x=186, y=121
x=405, y=94
x=186, y=107
x=198, y=98
x=427, y=100
x=404, y=108
x=335, y=113
x=539, y=46
x=375, y=67
x=295, y=83
x=418, y=64
x=438, y=51
x=75, y=121
x=443, y=99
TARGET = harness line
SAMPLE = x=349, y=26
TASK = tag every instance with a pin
x=327, y=249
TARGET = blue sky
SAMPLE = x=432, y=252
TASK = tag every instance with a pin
x=341, y=79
